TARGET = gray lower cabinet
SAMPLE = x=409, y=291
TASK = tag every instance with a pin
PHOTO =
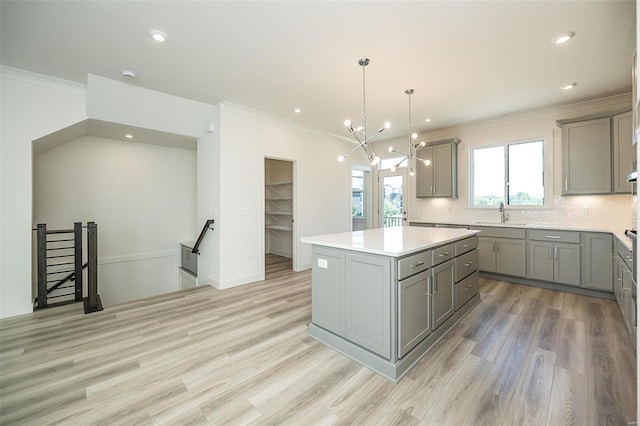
x=554, y=262
x=443, y=292
x=368, y=302
x=597, y=267
x=414, y=311
x=328, y=290
x=502, y=250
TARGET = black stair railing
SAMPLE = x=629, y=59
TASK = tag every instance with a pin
x=57, y=250
x=207, y=225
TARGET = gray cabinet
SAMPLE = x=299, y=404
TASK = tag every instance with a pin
x=443, y=292
x=368, y=302
x=586, y=157
x=554, y=256
x=328, y=289
x=597, y=265
x=414, y=311
x=440, y=178
x=503, y=251
x=624, y=152
x=623, y=288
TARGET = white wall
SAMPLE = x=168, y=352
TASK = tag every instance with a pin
x=143, y=198
x=321, y=190
x=32, y=106
x=591, y=212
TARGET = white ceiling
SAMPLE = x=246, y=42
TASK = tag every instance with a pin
x=465, y=60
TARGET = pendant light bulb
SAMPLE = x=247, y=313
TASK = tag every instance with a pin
x=341, y=158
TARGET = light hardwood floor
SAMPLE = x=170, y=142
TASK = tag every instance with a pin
x=525, y=355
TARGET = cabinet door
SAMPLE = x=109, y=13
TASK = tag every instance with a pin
x=487, y=254
x=511, y=257
x=567, y=264
x=443, y=291
x=624, y=152
x=597, y=261
x=442, y=172
x=414, y=311
x=626, y=297
x=327, y=289
x=424, y=174
x=368, y=302
x=541, y=260
x=586, y=157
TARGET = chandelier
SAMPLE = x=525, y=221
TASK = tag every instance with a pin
x=360, y=132
x=414, y=146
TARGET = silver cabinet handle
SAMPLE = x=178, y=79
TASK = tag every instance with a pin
x=446, y=253
x=468, y=264
x=555, y=237
x=417, y=264
x=470, y=286
x=466, y=245
x=566, y=184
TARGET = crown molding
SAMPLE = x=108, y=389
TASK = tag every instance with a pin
x=42, y=80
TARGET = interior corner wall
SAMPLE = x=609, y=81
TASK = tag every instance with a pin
x=30, y=108
x=141, y=196
x=322, y=199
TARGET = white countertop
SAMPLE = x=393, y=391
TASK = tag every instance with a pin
x=618, y=233
x=392, y=241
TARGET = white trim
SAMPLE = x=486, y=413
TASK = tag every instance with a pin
x=136, y=257
x=248, y=279
x=41, y=80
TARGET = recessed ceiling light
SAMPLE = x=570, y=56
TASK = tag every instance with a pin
x=128, y=136
x=427, y=120
x=297, y=110
x=158, y=35
x=569, y=86
x=563, y=38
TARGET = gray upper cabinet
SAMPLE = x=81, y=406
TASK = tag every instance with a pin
x=440, y=178
x=414, y=311
x=586, y=157
x=368, y=302
x=597, y=261
x=624, y=153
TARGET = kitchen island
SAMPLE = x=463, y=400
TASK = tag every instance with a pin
x=385, y=296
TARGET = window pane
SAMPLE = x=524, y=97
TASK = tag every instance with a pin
x=488, y=176
x=387, y=163
x=526, y=174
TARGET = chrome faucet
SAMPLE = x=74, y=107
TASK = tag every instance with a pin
x=503, y=217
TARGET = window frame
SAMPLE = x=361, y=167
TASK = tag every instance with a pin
x=547, y=167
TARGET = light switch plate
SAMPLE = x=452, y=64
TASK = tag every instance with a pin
x=322, y=263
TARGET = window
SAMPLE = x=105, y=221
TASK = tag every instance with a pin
x=387, y=163
x=512, y=174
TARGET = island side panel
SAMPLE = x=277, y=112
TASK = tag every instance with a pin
x=368, y=302
x=328, y=289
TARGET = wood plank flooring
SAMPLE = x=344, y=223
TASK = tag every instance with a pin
x=525, y=355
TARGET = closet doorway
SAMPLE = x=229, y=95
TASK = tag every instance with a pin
x=279, y=216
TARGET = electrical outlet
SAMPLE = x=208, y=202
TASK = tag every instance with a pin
x=322, y=263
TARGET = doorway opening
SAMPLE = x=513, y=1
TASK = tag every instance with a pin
x=392, y=208
x=279, y=217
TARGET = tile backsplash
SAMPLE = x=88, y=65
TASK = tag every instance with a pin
x=605, y=212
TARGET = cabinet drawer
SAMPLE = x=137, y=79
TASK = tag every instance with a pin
x=413, y=264
x=499, y=232
x=466, y=289
x=553, y=235
x=466, y=245
x=442, y=254
x=625, y=254
x=466, y=264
